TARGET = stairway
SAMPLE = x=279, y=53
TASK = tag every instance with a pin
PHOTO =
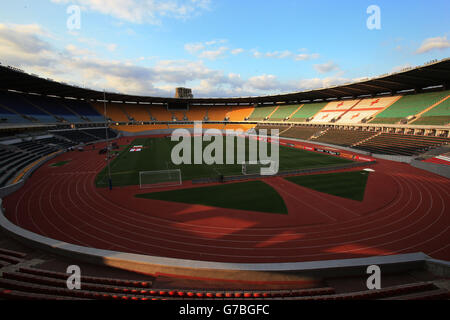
x=362, y=141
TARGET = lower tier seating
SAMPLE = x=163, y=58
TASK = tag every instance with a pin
x=399, y=144
x=344, y=137
x=304, y=133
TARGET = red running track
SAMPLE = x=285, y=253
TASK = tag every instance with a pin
x=405, y=210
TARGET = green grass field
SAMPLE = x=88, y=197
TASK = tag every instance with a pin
x=351, y=185
x=250, y=196
x=156, y=155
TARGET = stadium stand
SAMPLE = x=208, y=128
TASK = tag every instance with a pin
x=85, y=135
x=344, y=137
x=217, y=113
x=114, y=111
x=333, y=111
x=262, y=113
x=271, y=127
x=54, y=107
x=30, y=283
x=439, y=115
x=366, y=109
x=141, y=128
x=409, y=106
x=138, y=113
x=400, y=144
x=196, y=113
x=22, y=152
x=239, y=113
x=85, y=110
x=7, y=116
x=303, y=133
x=179, y=115
x=22, y=106
x=284, y=112
x=307, y=111
x=160, y=114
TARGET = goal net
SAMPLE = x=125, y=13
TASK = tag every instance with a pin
x=255, y=168
x=162, y=178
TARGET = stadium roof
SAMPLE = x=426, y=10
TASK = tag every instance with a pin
x=433, y=74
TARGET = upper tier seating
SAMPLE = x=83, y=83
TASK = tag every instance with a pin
x=141, y=128
x=138, y=113
x=196, y=113
x=366, y=109
x=114, y=111
x=53, y=106
x=7, y=116
x=439, y=115
x=239, y=113
x=283, y=112
x=20, y=104
x=334, y=110
x=179, y=115
x=84, y=110
x=261, y=113
x=307, y=111
x=160, y=114
x=217, y=113
x=409, y=106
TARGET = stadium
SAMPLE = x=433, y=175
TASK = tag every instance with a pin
x=88, y=179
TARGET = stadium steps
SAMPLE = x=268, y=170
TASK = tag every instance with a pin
x=271, y=114
x=432, y=106
x=281, y=132
x=83, y=118
x=125, y=112
x=292, y=114
x=317, y=136
x=394, y=292
x=437, y=294
x=365, y=140
x=419, y=115
x=39, y=108
x=27, y=118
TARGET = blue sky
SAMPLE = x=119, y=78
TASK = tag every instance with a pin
x=220, y=47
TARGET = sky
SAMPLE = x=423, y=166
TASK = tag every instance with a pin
x=220, y=48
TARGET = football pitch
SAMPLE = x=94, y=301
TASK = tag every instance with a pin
x=155, y=155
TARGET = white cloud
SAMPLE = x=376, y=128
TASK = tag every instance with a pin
x=193, y=48
x=147, y=11
x=213, y=54
x=26, y=47
x=430, y=44
x=286, y=54
x=326, y=67
x=264, y=82
x=237, y=51
x=207, y=50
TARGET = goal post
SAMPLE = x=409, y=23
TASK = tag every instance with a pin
x=161, y=178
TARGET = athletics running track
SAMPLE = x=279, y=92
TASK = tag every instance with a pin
x=405, y=210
